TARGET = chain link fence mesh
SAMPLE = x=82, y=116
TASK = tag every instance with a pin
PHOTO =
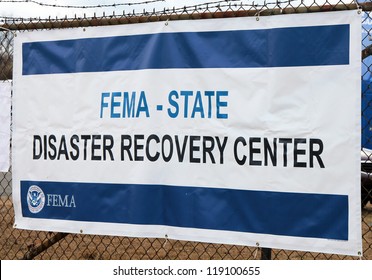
x=24, y=244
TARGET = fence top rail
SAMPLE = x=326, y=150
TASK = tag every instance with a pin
x=19, y=24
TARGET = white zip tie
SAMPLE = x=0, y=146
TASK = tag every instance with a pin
x=360, y=10
x=166, y=240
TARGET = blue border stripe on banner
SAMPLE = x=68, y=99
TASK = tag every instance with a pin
x=266, y=212
x=279, y=47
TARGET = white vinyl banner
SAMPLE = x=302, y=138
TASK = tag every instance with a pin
x=5, y=106
x=232, y=131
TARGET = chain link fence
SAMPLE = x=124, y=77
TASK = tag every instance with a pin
x=24, y=244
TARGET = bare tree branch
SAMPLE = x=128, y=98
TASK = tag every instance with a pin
x=367, y=52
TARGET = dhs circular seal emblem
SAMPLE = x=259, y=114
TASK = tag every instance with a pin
x=35, y=199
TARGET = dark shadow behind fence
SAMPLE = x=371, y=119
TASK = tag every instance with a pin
x=23, y=244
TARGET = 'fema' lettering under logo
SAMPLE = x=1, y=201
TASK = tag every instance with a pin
x=35, y=199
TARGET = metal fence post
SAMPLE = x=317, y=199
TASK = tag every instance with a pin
x=33, y=252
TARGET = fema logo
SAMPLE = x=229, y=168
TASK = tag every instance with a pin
x=35, y=199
